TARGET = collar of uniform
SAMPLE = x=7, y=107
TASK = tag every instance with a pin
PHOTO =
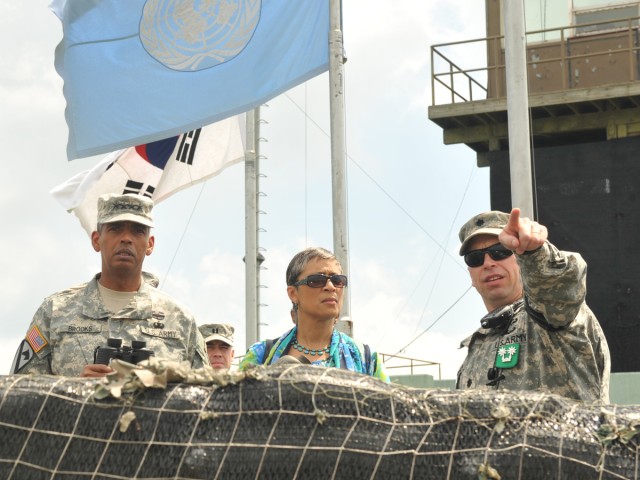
x=93, y=306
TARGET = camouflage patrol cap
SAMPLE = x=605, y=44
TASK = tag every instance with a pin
x=217, y=331
x=120, y=208
x=487, y=223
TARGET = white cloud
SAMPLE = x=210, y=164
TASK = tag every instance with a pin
x=388, y=134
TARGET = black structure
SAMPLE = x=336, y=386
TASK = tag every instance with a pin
x=584, y=119
x=588, y=196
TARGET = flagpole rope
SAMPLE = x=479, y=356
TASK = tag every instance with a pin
x=431, y=237
x=435, y=321
x=442, y=247
x=451, y=226
x=184, y=232
x=306, y=168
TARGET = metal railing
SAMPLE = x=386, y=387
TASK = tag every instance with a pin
x=454, y=73
x=470, y=84
x=408, y=363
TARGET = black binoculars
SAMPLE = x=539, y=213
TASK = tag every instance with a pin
x=114, y=349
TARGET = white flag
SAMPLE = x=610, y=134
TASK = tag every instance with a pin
x=156, y=170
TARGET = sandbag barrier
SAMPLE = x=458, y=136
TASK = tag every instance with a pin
x=297, y=421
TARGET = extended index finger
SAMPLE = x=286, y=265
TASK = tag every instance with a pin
x=513, y=225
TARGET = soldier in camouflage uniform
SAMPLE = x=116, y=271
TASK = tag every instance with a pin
x=219, y=340
x=539, y=333
x=120, y=302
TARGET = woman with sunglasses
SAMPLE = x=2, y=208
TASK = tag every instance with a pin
x=539, y=333
x=315, y=286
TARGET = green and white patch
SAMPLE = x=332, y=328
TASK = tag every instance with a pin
x=507, y=356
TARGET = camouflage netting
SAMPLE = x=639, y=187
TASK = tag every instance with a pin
x=296, y=421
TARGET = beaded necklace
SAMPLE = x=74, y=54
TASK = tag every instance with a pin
x=309, y=351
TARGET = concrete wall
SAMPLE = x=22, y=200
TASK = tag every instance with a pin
x=422, y=381
x=624, y=388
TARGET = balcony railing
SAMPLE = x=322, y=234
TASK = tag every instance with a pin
x=571, y=60
x=408, y=365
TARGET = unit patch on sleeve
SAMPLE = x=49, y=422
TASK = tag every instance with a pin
x=23, y=356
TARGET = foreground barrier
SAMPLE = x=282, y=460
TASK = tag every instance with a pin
x=297, y=421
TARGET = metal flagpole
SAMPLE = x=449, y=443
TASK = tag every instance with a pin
x=251, y=228
x=338, y=153
x=515, y=45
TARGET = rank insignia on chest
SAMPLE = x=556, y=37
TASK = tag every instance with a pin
x=507, y=356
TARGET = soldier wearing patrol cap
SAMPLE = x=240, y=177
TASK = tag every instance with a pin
x=219, y=340
x=539, y=333
x=121, y=302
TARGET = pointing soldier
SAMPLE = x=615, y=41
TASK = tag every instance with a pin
x=120, y=302
x=539, y=332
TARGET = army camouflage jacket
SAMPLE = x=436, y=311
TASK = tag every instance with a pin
x=70, y=324
x=550, y=340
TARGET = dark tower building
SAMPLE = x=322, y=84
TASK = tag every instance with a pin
x=584, y=104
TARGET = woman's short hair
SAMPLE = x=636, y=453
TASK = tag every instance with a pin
x=300, y=260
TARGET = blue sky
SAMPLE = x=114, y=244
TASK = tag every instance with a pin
x=408, y=193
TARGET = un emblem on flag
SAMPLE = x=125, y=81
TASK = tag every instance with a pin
x=197, y=34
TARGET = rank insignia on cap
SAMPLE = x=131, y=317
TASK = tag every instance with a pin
x=507, y=356
x=35, y=339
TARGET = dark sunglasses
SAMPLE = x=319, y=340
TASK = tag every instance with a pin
x=318, y=280
x=497, y=252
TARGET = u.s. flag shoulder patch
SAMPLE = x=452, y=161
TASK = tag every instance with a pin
x=35, y=339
